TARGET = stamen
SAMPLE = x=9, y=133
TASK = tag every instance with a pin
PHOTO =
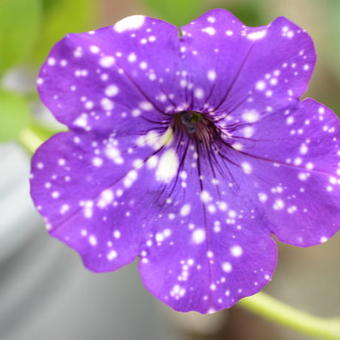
x=190, y=119
x=211, y=141
x=197, y=126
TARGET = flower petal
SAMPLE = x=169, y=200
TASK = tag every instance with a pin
x=211, y=250
x=102, y=79
x=291, y=171
x=246, y=68
x=207, y=267
x=81, y=185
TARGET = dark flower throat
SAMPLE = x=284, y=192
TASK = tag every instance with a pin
x=196, y=125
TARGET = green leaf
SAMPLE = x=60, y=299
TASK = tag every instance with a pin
x=178, y=12
x=14, y=115
x=62, y=17
x=19, y=28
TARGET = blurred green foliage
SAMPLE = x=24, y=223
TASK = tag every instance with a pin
x=178, y=12
x=334, y=23
x=181, y=12
x=14, y=115
x=19, y=30
x=62, y=17
x=248, y=11
x=32, y=26
x=28, y=29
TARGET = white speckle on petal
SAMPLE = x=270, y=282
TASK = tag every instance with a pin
x=143, y=65
x=94, y=49
x=247, y=169
x=132, y=57
x=177, y=292
x=260, y=85
x=111, y=90
x=111, y=255
x=136, y=112
x=262, y=197
x=257, y=35
x=167, y=166
x=209, y=30
x=227, y=267
x=55, y=194
x=106, y=197
x=198, y=236
x=93, y=240
x=323, y=239
x=185, y=210
x=106, y=104
x=40, y=165
x=64, y=209
x=248, y=131
x=97, y=161
x=130, y=178
x=106, y=61
x=51, y=61
x=278, y=204
x=146, y=106
x=303, y=149
x=117, y=234
x=152, y=162
x=61, y=161
x=212, y=75
x=114, y=154
x=236, y=251
x=205, y=196
x=199, y=93
x=251, y=116
x=81, y=121
x=132, y=22
x=290, y=120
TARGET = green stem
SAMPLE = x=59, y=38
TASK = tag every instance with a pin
x=274, y=310
x=30, y=140
x=34, y=135
x=262, y=304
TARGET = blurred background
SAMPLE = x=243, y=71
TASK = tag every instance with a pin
x=45, y=293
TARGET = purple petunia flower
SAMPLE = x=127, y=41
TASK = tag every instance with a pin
x=189, y=149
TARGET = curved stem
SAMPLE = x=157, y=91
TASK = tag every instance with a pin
x=34, y=135
x=30, y=140
x=277, y=311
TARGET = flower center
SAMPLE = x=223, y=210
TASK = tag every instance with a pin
x=196, y=125
x=190, y=119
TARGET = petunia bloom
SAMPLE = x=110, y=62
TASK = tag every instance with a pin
x=190, y=149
